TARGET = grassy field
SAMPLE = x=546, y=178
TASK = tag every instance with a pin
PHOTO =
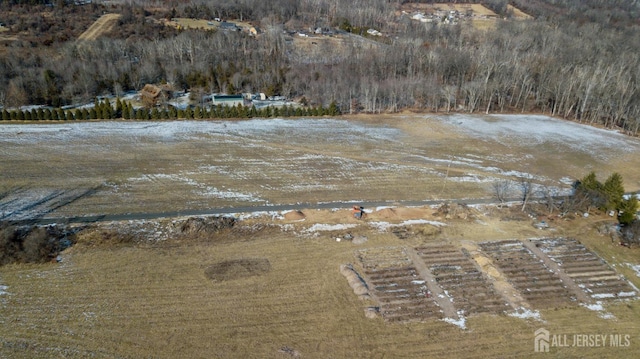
x=154, y=300
x=155, y=297
x=171, y=166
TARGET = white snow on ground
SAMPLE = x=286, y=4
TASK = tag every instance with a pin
x=383, y=226
x=524, y=313
x=329, y=227
x=3, y=289
x=603, y=295
x=635, y=267
x=536, y=130
x=200, y=188
x=626, y=294
x=598, y=307
x=272, y=214
x=462, y=322
x=337, y=130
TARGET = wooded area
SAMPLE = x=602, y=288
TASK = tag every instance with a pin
x=577, y=59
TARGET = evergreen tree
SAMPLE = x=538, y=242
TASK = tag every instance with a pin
x=93, y=114
x=46, y=113
x=5, y=115
x=27, y=115
x=34, y=115
x=19, y=115
x=333, y=109
x=628, y=208
x=155, y=115
x=125, y=111
x=614, y=190
x=197, y=112
x=119, y=107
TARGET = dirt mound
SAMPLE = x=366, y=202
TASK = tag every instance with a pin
x=356, y=282
x=33, y=244
x=455, y=210
x=294, y=216
x=238, y=268
x=386, y=213
x=195, y=225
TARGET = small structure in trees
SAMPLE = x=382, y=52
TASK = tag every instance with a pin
x=151, y=95
x=228, y=100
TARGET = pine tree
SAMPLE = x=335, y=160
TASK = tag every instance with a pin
x=333, y=109
x=119, y=108
x=5, y=115
x=614, y=190
x=628, y=208
x=19, y=115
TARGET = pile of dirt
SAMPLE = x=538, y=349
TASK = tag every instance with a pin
x=237, y=268
x=356, y=282
x=386, y=213
x=33, y=244
x=455, y=211
x=294, y=216
x=196, y=225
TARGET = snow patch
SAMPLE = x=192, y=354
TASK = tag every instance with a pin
x=635, y=268
x=603, y=295
x=383, y=226
x=524, y=313
x=627, y=294
x=461, y=323
x=329, y=227
x=3, y=289
x=595, y=307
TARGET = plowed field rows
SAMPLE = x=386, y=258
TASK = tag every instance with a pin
x=459, y=277
x=539, y=285
x=587, y=270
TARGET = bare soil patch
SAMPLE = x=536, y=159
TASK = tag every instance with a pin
x=237, y=268
x=103, y=25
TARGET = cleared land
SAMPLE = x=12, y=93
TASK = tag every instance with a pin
x=84, y=168
x=104, y=24
x=271, y=286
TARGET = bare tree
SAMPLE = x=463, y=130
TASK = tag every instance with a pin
x=526, y=189
x=501, y=190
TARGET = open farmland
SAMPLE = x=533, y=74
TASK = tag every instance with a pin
x=73, y=169
x=444, y=281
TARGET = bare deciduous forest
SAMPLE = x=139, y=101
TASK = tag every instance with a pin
x=576, y=59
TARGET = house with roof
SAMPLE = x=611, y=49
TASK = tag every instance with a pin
x=151, y=95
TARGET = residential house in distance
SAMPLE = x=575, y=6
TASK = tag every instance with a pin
x=151, y=95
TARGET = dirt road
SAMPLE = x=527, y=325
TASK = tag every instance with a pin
x=104, y=24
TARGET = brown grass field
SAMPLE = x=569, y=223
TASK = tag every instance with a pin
x=270, y=287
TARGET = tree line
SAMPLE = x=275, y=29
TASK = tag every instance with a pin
x=104, y=110
x=586, y=71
